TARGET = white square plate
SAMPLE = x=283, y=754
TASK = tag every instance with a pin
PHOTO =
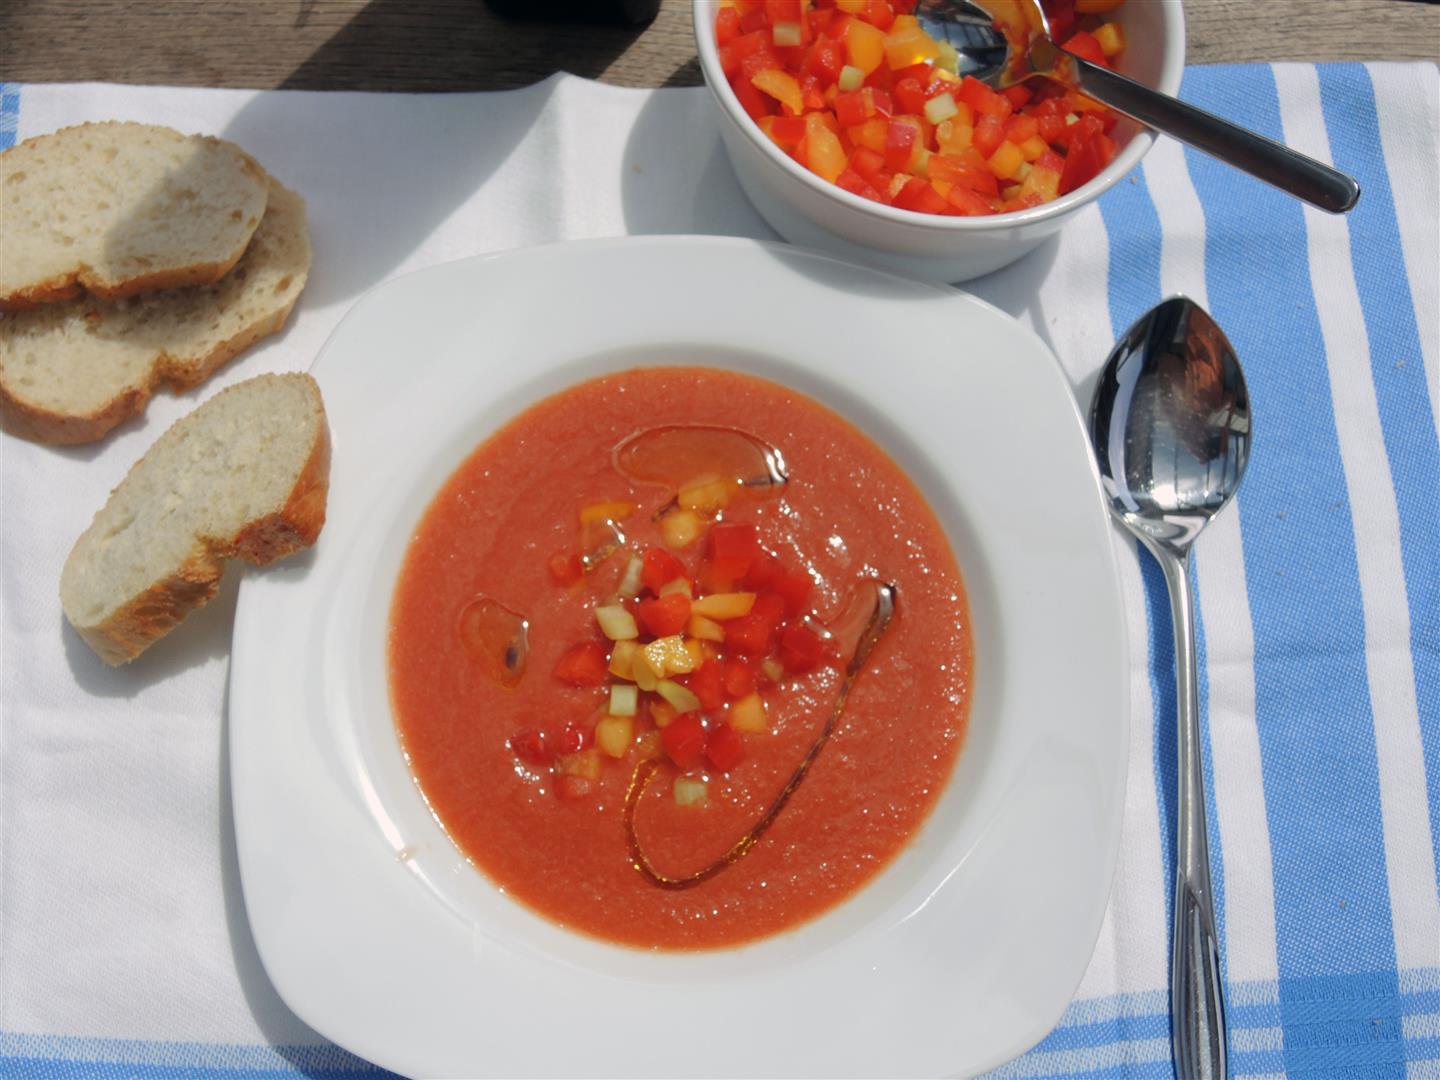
x=960, y=955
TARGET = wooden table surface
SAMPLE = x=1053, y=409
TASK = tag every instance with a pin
x=464, y=45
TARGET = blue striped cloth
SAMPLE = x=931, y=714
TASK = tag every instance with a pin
x=1319, y=599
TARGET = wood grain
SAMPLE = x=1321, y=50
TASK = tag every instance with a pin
x=462, y=45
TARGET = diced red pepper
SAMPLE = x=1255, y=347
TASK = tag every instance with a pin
x=529, y=746
x=1020, y=128
x=769, y=606
x=800, y=648
x=1018, y=95
x=737, y=51
x=794, y=588
x=707, y=683
x=659, y=567
x=850, y=108
x=825, y=60
x=584, y=664
x=724, y=748
x=571, y=740
x=750, y=634
x=571, y=788
x=784, y=11
x=754, y=20
x=768, y=569
x=900, y=139
x=982, y=99
x=853, y=182
x=683, y=739
x=869, y=165
x=989, y=134
x=663, y=616
x=565, y=569
x=879, y=14
x=918, y=195
x=1084, y=45
x=727, y=26
x=970, y=203
x=910, y=95
x=755, y=104
x=730, y=549
x=969, y=173
x=737, y=676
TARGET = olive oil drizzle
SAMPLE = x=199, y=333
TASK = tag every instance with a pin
x=883, y=609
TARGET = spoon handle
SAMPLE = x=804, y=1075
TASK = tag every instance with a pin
x=1197, y=1007
x=1262, y=158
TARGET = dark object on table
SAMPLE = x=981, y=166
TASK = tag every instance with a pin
x=624, y=12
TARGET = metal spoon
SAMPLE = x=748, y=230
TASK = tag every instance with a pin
x=985, y=53
x=1171, y=428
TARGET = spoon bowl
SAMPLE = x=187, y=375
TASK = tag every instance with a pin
x=1003, y=59
x=1170, y=425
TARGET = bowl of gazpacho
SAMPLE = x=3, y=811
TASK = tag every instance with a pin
x=685, y=683
x=619, y=642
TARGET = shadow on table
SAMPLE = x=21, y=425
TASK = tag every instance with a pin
x=388, y=46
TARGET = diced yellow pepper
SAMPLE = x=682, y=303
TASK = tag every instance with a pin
x=870, y=134
x=851, y=7
x=1042, y=182
x=667, y=656
x=586, y=763
x=822, y=152
x=954, y=136
x=908, y=46
x=622, y=659
x=721, y=606
x=661, y=713
x=705, y=629
x=614, y=734
x=707, y=495
x=782, y=86
x=748, y=714
x=605, y=511
x=680, y=528
x=1006, y=160
x=864, y=45
x=697, y=653
x=679, y=697
x=1033, y=147
x=676, y=585
x=1111, y=37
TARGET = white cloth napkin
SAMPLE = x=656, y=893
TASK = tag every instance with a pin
x=124, y=946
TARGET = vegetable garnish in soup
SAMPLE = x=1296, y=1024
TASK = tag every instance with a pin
x=662, y=585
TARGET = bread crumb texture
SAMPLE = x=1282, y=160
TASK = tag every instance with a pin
x=245, y=475
x=117, y=208
x=71, y=371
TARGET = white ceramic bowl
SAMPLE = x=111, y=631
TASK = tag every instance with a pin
x=807, y=210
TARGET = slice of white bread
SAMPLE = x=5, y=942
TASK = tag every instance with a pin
x=70, y=372
x=119, y=208
x=245, y=476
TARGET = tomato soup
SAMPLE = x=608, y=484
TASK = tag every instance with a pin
x=621, y=627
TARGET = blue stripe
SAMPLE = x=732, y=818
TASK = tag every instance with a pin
x=9, y=113
x=1406, y=412
x=1317, y=743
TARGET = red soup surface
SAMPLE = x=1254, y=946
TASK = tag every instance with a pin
x=718, y=652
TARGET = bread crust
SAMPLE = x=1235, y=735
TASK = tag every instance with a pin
x=39, y=424
x=144, y=619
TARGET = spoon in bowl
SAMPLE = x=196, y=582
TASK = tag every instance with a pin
x=1171, y=428
x=986, y=52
